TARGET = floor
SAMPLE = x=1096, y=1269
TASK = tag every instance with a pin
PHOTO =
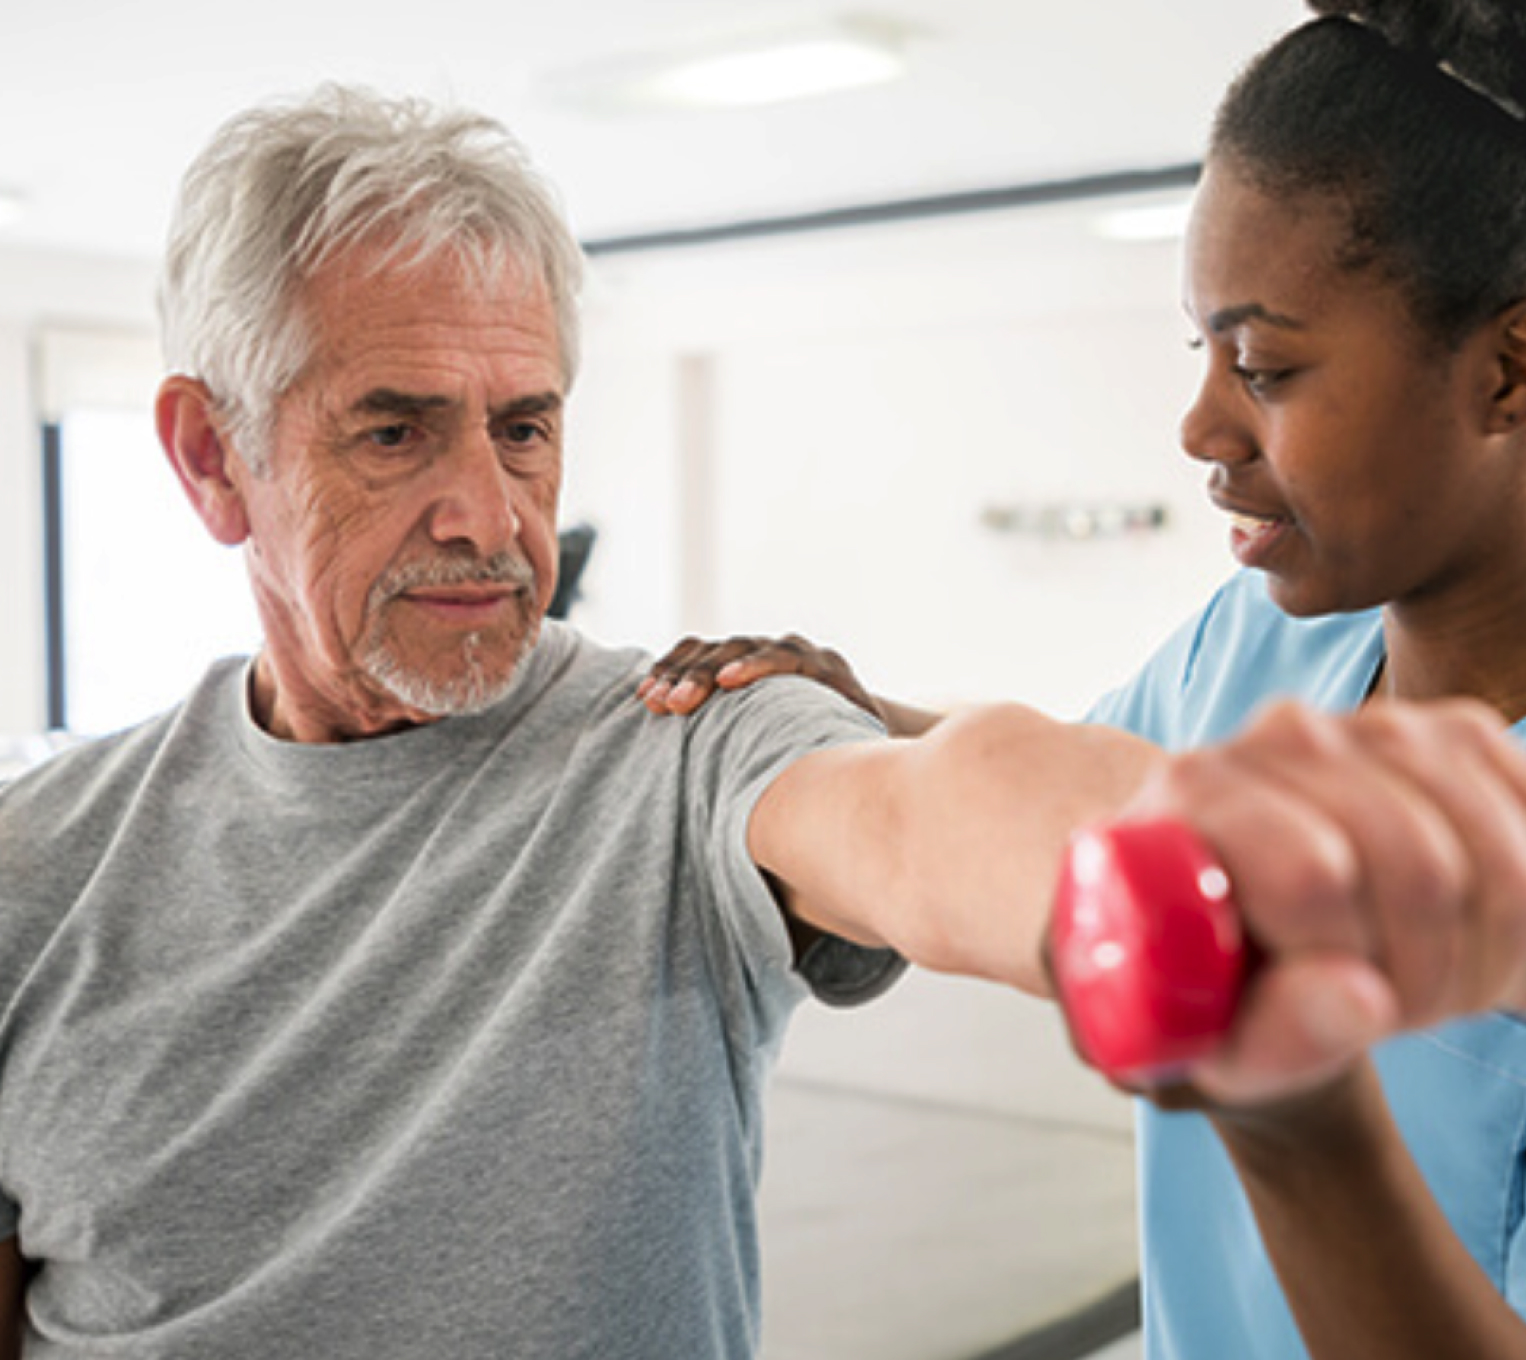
x=1129, y=1348
x=898, y=1229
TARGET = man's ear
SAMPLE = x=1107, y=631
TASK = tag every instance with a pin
x=193, y=440
x=1507, y=408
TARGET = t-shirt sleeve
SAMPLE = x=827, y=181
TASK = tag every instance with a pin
x=738, y=746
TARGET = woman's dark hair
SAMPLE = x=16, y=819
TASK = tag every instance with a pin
x=1411, y=113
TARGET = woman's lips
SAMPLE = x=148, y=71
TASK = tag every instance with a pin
x=1253, y=538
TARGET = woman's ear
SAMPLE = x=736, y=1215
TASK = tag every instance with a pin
x=1507, y=408
x=193, y=440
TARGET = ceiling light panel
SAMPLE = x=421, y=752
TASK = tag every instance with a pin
x=772, y=68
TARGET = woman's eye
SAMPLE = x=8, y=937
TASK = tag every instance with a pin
x=1261, y=379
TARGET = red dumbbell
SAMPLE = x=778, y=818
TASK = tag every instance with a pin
x=1146, y=948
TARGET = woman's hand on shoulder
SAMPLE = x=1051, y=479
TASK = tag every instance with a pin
x=682, y=681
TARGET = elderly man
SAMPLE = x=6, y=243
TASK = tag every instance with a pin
x=410, y=989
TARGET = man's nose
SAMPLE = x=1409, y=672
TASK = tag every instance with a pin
x=475, y=499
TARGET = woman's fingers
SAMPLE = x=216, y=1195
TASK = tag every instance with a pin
x=681, y=680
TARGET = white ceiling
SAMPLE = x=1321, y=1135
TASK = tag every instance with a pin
x=103, y=102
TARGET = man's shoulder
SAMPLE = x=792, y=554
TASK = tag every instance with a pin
x=58, y=796
x=57, y=822
x=765, y=728
x=566, y=663
x=89, y=783
x=579, y=711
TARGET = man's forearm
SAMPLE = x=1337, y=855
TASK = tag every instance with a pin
x=945, y=847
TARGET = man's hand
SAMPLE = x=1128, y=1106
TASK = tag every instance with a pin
x=1379, y=859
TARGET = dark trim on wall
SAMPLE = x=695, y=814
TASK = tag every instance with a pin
x=909, y=209
x=53, y=573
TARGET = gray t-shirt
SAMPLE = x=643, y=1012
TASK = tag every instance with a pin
x=447, y=1044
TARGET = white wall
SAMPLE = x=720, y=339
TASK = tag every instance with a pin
x=843, y=407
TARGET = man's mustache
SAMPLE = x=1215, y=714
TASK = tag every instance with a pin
x=504, y=568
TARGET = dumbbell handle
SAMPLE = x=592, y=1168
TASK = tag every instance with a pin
x=1146, y=948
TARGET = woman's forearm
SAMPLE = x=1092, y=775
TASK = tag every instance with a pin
x=1371, y=1268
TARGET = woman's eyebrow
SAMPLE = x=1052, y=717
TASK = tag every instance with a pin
x=1227, y=318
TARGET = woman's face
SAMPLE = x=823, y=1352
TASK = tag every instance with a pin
x=1351, y=454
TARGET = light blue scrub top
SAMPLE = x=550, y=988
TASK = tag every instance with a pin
x=1458, y=1092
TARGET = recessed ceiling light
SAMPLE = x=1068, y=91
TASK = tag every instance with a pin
x=776, y=73
x=768, y=68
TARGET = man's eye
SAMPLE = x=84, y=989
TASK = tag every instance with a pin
x=389, y=436
x=521, y=432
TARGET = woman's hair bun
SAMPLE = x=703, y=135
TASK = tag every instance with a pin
x=1482, y=42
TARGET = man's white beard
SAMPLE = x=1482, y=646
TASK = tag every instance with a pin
x=474, y=686
x=471, y=690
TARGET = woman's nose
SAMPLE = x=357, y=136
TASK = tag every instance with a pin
x=1210, y=429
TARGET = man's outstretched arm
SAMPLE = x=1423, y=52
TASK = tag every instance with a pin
x=945, y=847
x=1379, y=859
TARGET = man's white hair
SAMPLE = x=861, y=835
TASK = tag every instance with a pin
x=282, y=189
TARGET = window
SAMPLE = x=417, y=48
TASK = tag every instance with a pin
x=141, y=599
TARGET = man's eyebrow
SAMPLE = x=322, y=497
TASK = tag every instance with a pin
x=540, y=404
x=1227, y=318
x=387, y=401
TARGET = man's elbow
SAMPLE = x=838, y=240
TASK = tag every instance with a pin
x=983, y=808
